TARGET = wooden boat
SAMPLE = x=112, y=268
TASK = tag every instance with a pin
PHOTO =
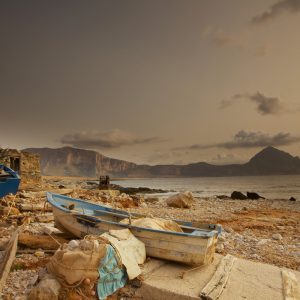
x=9, y=181
x=194, y=246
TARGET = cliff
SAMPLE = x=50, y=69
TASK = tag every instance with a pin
x=68, y=161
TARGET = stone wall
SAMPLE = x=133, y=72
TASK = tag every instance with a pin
x=25, y=163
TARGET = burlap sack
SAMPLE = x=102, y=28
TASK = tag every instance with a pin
x=73, y=266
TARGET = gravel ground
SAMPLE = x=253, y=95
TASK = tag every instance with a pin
x=259, y=230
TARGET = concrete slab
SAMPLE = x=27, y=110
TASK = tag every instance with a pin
x=248, y=280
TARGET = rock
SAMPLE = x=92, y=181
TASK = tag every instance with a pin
x=220, y=248
x=292, y=199
x=39, y=253
x=277, y=236
x=254, y=196
x=262, y=242
x=228, y=229
x=47, y=289
x=181, y=200
x=73, y=244
x=238, y=196
x=255, y=256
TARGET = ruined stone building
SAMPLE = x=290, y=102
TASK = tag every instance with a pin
x=25, y=163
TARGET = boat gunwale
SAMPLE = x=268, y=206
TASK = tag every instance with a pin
x=95, y=220
x=10, y=171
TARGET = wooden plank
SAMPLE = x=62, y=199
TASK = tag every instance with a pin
x=291, y=287
x=9, y=256
x=34, y=207
x=216, y=285
x=45, y=242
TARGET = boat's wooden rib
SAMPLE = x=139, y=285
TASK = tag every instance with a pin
x=195, y=245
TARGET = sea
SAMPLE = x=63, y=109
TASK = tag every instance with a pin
x=270, y=187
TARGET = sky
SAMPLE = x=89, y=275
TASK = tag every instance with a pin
x=151, y=81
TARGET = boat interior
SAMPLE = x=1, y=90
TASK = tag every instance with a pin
x=88, y=211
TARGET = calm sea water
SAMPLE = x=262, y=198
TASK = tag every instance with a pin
x=271, y=187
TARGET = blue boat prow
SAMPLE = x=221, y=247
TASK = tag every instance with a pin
x=9, y=181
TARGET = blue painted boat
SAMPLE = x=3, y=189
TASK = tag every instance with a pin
x=9, y=181
x=195, y=245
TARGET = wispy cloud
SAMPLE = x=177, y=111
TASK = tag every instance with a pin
x=111, y=139
x=265, y=105
x=241, y=41
x=249, y=139
x=221, y=38
x=280, y=7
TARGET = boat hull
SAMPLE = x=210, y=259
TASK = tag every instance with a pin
x=179, y=247
x=9, y=184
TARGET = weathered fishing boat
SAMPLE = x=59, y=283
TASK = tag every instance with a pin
x=195, y=245
x=9, y=181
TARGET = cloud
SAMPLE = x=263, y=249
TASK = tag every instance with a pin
x=280, y=7
x=250, y=139
x=109, y=140
x=264, y=105
x=221, y=38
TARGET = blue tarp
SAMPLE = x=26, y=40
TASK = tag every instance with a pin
x=112, y=275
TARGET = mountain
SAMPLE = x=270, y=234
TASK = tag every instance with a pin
x=68, y=161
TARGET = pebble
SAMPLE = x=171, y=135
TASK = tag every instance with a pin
x=277, y=236
x=255, y=256
x=39, y=253
x=228, y=229
x=220, y=248
x=262, y=242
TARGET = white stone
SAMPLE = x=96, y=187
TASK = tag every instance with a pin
x=262, y=242
x=277, y=236
x=73, y=244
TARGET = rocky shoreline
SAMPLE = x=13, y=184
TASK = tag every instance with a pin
x=261, y=230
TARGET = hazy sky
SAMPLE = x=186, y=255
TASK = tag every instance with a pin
x=168, y=81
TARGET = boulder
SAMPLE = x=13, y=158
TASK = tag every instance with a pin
x=47, y=289
x=254, y=196
x=292, y=199
x=238, y=196
x=181, y=200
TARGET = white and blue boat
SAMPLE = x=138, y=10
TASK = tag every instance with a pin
x=194, y=246
x=9, y=181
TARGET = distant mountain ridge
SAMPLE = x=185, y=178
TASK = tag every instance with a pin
x=68, y=161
